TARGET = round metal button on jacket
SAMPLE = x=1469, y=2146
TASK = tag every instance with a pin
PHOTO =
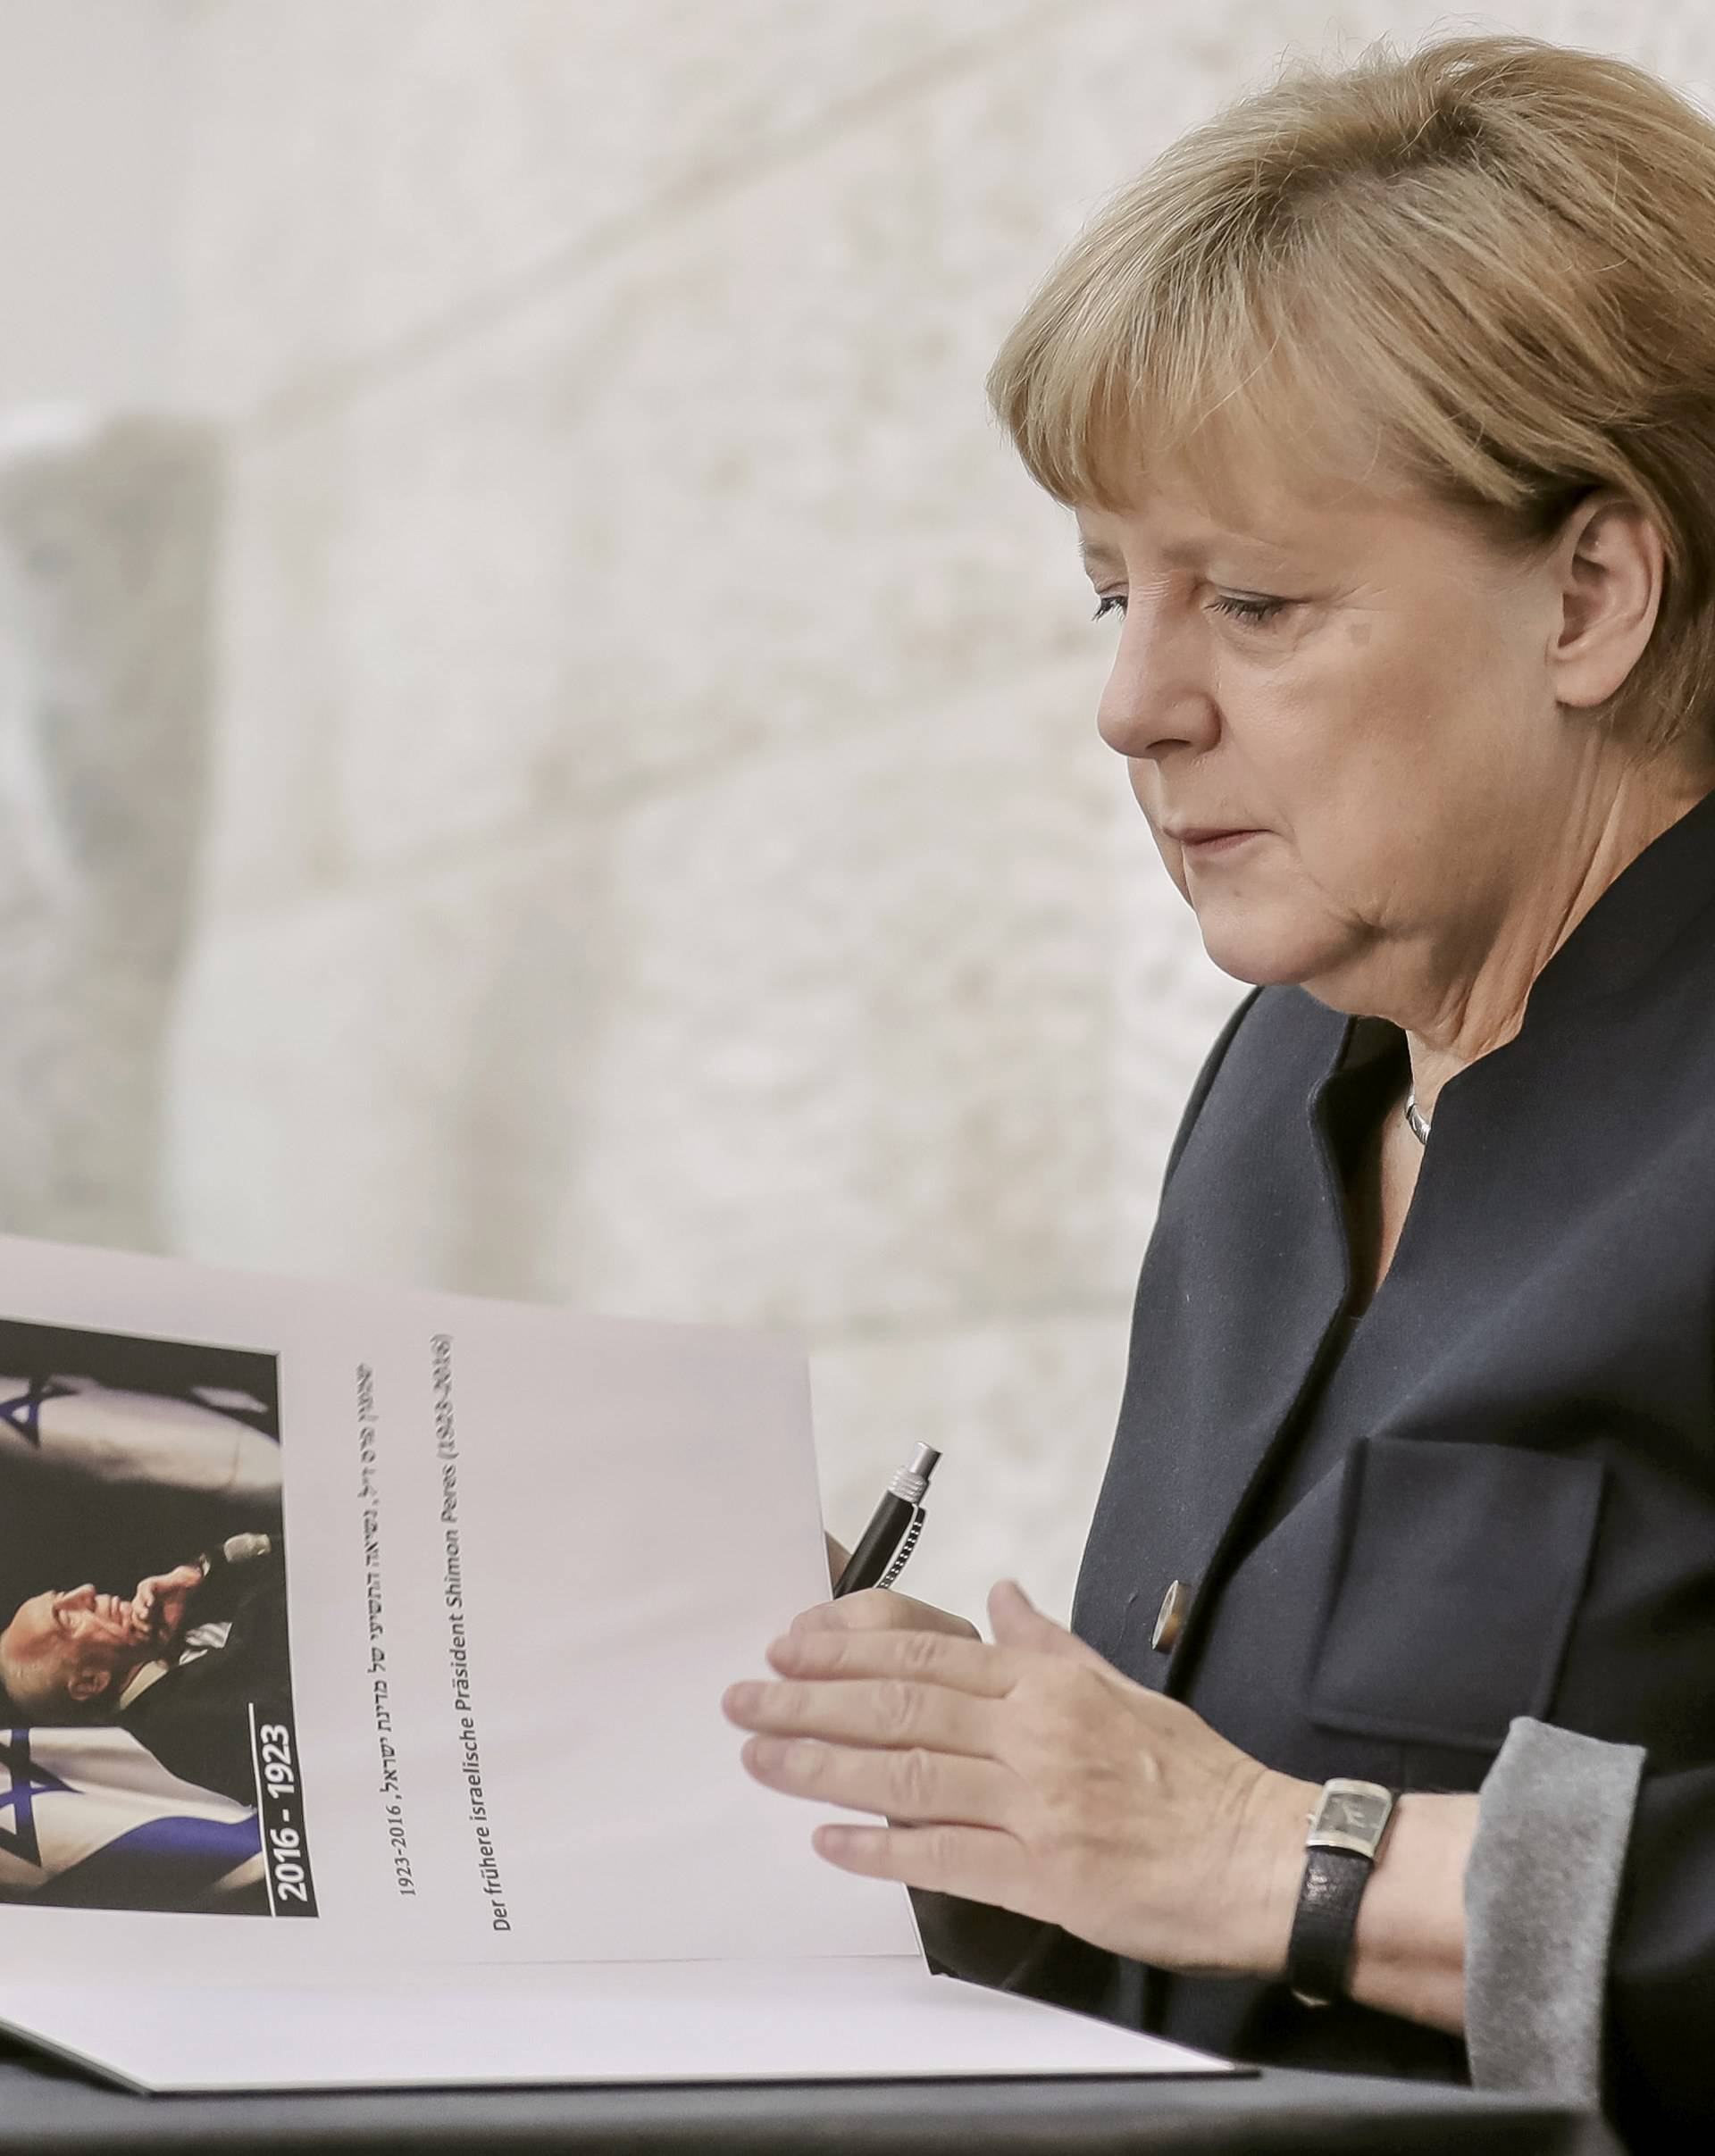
x=1170, y=1619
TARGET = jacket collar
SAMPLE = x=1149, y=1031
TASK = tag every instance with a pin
x=1654, y=898
x=1660, y=894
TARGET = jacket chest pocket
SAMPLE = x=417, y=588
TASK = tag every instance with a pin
x=1457, y=1573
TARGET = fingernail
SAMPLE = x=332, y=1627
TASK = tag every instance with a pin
x=764, y=1751
x=741, y=1698
x=784, y=1651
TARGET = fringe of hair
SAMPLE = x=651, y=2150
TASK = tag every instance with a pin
x=1484, y=269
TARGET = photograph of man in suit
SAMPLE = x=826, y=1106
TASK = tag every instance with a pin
x=178, y=1664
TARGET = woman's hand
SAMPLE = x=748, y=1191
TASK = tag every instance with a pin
x=1031, y=1775
x=876, y=1608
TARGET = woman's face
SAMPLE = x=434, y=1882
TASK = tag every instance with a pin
x=1367, y=686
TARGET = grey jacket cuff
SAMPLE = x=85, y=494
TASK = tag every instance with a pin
x=1541, y=1888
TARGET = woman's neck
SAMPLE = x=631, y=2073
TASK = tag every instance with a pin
x=1472, y=1009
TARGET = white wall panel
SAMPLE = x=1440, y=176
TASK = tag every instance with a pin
x=661, y=857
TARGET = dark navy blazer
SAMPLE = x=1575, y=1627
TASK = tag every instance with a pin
x=1492, y=1495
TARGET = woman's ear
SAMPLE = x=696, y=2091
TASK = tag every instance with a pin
x=1612, y=564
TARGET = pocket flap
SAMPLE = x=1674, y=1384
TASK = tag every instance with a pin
x=1457, y=1573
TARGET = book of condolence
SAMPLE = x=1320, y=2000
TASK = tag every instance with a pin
x=363, y=1653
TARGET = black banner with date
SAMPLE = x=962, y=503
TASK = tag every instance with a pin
x=279, y=1807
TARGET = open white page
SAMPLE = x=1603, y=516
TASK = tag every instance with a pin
x=872, y=2019
x=519, y=1554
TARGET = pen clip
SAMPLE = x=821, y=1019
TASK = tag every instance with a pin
x=896, y=1564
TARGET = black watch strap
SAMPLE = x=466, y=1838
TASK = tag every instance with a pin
x=1320, y=1948
x=1346, y=1825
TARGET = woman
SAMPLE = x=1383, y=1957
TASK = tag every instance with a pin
x=1386, y=404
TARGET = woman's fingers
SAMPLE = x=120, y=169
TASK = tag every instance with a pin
x=880, y=1610
x=1017, y=1622
x=934, y=1658
x=914, y=1785
x=880, y=1711
x=981, y=1863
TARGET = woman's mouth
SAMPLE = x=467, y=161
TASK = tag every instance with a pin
x=1216, y=842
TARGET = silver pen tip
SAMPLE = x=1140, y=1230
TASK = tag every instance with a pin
x=921, y=1461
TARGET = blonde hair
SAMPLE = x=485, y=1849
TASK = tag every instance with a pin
x=1484, y=270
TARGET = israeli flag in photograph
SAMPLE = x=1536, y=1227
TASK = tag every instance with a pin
x=90, y=1819
x=201, y=1444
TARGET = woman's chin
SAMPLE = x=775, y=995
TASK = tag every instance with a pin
x=1266, y=956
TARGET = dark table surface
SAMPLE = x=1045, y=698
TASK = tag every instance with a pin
x=49, y=2111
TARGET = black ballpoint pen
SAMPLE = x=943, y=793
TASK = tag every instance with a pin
x=898, y=1516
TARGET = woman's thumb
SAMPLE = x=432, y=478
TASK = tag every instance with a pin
x=1017, y=1622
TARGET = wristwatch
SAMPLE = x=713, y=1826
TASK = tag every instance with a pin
x=1346, y=1825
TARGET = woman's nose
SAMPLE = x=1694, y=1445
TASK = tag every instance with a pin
x=1154, y=700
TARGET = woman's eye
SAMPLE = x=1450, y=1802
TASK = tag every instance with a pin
x=1256, y=612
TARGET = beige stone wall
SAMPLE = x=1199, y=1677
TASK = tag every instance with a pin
x=91, y=127
x=108, y=546
x=661, y=858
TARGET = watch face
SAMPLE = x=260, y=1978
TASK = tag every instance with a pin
x=1355, y=1812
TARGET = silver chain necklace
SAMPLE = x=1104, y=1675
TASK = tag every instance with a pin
x=1419, y=1128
